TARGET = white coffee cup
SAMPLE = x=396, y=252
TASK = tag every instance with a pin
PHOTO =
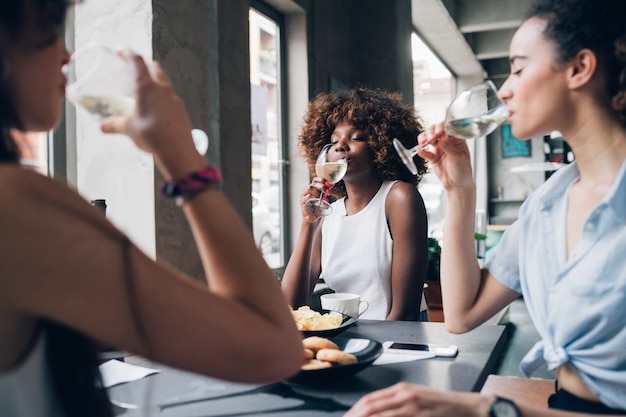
x=346, y=303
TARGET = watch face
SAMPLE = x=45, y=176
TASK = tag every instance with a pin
x=504, y=408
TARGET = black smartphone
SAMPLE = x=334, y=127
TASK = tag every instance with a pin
x=448, y=351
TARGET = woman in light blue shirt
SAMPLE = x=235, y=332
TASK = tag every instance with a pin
x=566, y=254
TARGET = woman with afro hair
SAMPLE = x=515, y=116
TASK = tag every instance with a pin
x=374, y=243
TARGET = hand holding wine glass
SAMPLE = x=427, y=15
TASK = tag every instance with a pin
x=332, y=171
x=473, y=113
x=448, y=157
x=101, y=82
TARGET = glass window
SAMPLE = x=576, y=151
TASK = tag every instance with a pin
x=267, y=138
x=433, y=87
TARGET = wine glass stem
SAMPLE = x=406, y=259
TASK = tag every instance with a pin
x=319, y=202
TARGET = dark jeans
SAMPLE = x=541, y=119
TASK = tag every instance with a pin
x=563, y=400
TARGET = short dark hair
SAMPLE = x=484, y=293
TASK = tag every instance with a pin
x=381, y=114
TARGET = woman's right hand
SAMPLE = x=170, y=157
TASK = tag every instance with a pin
x=160, y=124
x=449, y=156
x=317, y=187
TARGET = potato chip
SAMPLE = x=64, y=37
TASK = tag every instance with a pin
x=307, y=319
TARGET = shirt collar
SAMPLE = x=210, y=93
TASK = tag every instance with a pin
x=561, y=180
x=556, y=186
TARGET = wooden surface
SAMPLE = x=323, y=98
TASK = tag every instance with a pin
x=532, y=391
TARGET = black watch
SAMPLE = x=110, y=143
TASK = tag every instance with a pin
x=503, y=407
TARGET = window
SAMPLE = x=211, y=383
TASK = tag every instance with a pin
x=267, y=135
x=433, y=90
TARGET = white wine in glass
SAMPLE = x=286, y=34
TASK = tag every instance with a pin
x=103, y=107
x=100, y=82
x=331, y=171
x=473, y=113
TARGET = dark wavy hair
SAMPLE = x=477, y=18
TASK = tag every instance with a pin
x=71, y=356
x=598, y=25
x=382, y=115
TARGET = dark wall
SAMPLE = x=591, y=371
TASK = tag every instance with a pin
x=362, y=42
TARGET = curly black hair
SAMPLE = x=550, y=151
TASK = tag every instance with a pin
x=597, y=25
x=382, y=115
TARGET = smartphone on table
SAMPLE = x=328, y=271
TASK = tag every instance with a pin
x=446, y=351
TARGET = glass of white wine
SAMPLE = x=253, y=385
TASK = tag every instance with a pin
x=473, y=113
x=100, y=82
x=331, y=171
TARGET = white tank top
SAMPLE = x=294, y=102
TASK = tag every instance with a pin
x=26, y=390
x=357, y=251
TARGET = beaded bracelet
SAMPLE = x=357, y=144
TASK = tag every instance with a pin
x=187, y=187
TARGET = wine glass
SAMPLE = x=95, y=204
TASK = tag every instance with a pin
x=331, y=171
x=473, y=113
x=100, y=82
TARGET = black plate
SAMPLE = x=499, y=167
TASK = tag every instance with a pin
x=345, y=323
x=365, y=350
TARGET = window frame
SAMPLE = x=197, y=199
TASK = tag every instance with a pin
x=283, y=158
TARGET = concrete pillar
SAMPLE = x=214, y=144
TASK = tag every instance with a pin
x=203, y=45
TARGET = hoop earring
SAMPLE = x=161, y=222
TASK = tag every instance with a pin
x=5, y=68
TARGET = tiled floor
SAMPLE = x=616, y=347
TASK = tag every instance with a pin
x=522, y=336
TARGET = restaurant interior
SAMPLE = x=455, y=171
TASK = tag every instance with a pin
x=246, y=70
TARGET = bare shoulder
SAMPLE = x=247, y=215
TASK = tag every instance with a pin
x=404, y=194
x=29, y=196
x=44, y=220
x=23, y=185
x=405, y=208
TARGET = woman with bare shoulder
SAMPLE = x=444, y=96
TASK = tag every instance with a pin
x=69, y=280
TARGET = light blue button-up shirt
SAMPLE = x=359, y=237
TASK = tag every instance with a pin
x=578, y=304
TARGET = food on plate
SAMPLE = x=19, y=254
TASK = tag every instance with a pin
x=307, y=319
x=324, y=353
x=335, y=356
x=316, y=343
